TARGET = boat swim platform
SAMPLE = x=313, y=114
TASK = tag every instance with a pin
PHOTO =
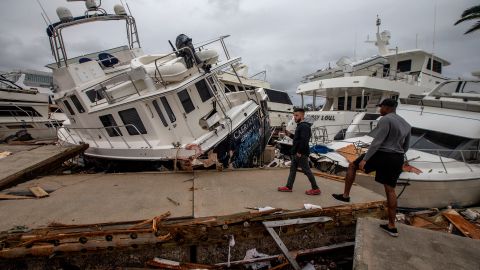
x=27, y=161
x=99, y=198
x=183, y=216
x=414, y=249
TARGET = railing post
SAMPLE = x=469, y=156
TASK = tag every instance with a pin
x=441, y=160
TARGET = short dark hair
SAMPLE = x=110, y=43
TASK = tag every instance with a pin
x=388, y=102
x=299, y=110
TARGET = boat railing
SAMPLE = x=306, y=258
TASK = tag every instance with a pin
x=321, y=134
x=199, y=47
x=473, y=156
x=18, y=113
x=113, y=81
x=87, y=133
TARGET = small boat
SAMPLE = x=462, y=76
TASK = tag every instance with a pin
x=444, y=154
x=26, y=108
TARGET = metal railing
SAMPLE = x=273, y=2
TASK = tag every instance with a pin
x=199, y=47
x=474, y=156
x=104, y=134
x=320, y=134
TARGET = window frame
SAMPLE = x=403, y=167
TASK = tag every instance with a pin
x=186, y=101
x=76, y=102
x=131, y=130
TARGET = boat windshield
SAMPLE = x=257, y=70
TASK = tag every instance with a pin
x=457, y=87
x=447, y=145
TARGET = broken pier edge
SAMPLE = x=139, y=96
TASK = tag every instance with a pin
x=197, y=240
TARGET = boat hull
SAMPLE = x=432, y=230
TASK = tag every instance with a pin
x=429, y=194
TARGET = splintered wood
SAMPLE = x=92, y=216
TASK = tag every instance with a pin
x=465, y=227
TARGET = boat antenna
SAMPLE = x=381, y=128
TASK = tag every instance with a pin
x=44, y=12
x=128, y=7
x=434, y=32
x=45, y=20
x=173, y=48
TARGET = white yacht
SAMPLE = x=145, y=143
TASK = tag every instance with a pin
x=171, y=106
x=445, y=148
x=280, y=106
x=26, y=108
x=353, y=88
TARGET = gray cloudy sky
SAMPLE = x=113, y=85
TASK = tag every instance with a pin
x=287, y=38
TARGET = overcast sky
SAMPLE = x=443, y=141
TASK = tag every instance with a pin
x=288, y=39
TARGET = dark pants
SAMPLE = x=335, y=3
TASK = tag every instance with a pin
x=301, y=162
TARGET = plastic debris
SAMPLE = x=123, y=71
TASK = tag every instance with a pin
x=311, y=206
x=254, y=254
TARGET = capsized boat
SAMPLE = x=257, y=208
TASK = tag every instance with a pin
x=166, y=107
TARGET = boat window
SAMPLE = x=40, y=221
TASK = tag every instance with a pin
x=203, y=90
x=359, y=104
x=404, y=66
x=186, y=101
x=278, y=96
x=110, y=125
x=53, y=124
x=132, y=122
x=371, y=116
x=471, y=87
x=448, y=88
x=69, y=108
x=94, y=95
x=19, y=126
x=12, y=111
x=77, y=104
x=437, y=65
x=159, y=112
x=230, y=88
x=168, y=109
x=386, y=70
x=341, y=103
x=430, y=141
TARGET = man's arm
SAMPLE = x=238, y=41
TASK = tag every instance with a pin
x=383, y=128
x=406, y=143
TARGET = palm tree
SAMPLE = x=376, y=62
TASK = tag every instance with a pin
x=471, y=14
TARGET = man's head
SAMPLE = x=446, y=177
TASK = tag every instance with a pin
x=298, y=115
x=387, y=106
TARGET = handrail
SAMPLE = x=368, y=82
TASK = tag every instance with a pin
x=103, y=130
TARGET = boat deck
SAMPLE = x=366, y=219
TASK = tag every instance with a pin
x=99, y=198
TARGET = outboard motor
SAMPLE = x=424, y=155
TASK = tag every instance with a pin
x=183, y=41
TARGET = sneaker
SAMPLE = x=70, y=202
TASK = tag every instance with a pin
x=313, y=192
x=393, y=232
x=284, y=189
x=341, y=198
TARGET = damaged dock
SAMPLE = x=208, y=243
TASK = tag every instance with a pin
x=105, y=220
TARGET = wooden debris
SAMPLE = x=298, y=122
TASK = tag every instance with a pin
x=349, y=152
x=280, y=266
x=13, y=197
x=168, y=264
x=465, y=227
x=153, y=221
x=38, y=192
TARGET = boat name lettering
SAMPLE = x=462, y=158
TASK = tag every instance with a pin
x=324, y=117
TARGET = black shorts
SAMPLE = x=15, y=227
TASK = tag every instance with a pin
x=388, y=166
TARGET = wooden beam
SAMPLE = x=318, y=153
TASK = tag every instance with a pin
x=13, y=197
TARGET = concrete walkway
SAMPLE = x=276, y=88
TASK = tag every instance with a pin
x=96, y=198
x=414, y=249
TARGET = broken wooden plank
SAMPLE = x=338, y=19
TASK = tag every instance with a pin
x=465, y=227
x=24, y=165
x=38, y=192
x=173, y=201
x=13, y=197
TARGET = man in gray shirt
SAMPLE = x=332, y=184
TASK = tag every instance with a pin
x=385, y=156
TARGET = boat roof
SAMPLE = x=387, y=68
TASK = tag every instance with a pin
x=418, y=52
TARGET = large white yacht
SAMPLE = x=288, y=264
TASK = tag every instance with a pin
x=280, y=106
x=132, y=106
x=353, y=88
x=445, y=148
x=26, y=108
